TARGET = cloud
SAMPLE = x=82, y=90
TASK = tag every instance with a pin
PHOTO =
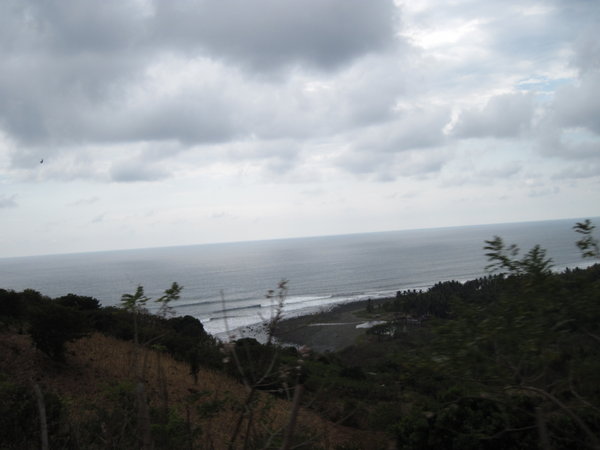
x=85, y=201
x=60, y=59
x=483, y=175
x=579, y=171
x=265, y=87
x=544, y=191
x=569, y=144
x=187, y=118
x=406, y=145
x=221, y=215
x=570, y=126
x=503, y=116
x=414, y=127
x=587, y=50
x=99, y=218
x=8, y=201
x=269, y=34
x=385, y=167
x=578, y=106
x=231, y=98
x=78, y=72
x=520, y=31
x=196, y=73
x=75, y=26
x=503, y=171
x=135, y=171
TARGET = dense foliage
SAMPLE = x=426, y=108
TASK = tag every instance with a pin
x=506, y=361
x=527, y=351
x=54, y=322
x=19, y=417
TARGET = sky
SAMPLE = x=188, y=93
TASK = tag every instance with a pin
x=182, y=122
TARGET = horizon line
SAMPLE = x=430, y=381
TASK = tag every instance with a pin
x=316, y=236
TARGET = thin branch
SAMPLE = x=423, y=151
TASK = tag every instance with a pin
x=542, y=429
x=579, y=397
x=289, y=431
x=593, y=438
x=42, y=414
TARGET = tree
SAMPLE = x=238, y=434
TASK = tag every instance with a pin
x=53, y=325
x=135, y=304
x=80, y=302
x=500, y=256
x=505, y=257
x=516, y=369
x=587, y=244
x=171, y=294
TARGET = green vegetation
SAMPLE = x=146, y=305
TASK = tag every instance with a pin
x=507, y=361
x=19, y=417
x=510, y=360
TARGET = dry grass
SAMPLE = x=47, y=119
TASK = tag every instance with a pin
x=98, y=361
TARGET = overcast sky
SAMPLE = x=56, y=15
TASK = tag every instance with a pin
x=189, y=121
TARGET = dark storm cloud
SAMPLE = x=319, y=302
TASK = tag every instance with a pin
x=74, y=46
x=61, y=60
x=264, y=81
x=70, y=67
x=268, y=34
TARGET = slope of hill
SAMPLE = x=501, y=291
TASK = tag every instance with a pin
x=95, y=389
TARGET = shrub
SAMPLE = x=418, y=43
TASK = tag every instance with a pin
x=79, y=302
x=52, y=326
x=19, y=419
x=11, y=304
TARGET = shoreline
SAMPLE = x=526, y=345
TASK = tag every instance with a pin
x=322, y=331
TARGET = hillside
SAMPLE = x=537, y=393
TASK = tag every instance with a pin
x=97, y=378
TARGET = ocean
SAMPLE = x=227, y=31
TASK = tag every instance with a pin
x=224, y=285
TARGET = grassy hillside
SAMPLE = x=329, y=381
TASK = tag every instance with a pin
x=95, y=389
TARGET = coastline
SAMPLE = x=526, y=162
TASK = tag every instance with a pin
x=322, y=331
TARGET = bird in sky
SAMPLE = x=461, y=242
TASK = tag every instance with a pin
x=42, y=161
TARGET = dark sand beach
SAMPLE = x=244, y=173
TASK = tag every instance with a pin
x=329, y=330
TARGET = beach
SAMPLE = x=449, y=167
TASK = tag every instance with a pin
x=327, y=331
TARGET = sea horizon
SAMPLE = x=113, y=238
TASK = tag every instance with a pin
x=224, y=284
x=310, y=236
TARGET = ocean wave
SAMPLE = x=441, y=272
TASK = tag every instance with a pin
x=240, y=308
x=348, y=294
x=299, y=299
x=200, y=303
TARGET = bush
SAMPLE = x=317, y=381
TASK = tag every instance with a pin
x=188, y=326
x=19, y=419
x=52, y=326
x=79, y=302
x=11, y=304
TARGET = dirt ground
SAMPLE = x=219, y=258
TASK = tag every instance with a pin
x=326, y=331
